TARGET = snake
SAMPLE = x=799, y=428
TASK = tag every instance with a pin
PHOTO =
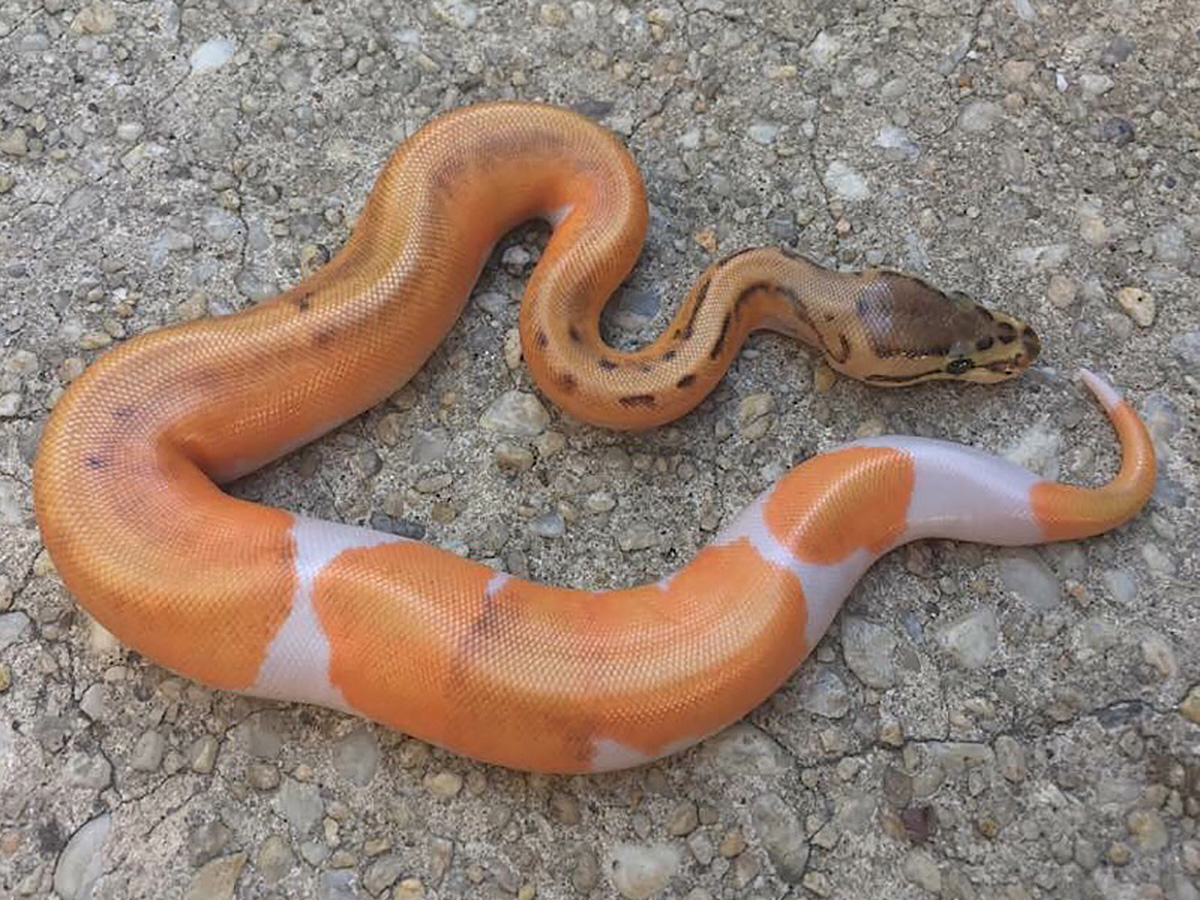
x=262, y=601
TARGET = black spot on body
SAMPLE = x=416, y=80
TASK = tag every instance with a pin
x=984, y=343
x=322, y=339
x=636, y=400
x=304, y=302
x=720, y=344
x=669, y=355
x=123, y=413
x=541, y=340
x=94, y=462
x=685, y=381
x=574, y=335
x=1006, y=333
x=567, y=382
x=607, y=364
x=701, y=294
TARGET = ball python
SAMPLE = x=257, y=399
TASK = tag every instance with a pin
x=259, y=600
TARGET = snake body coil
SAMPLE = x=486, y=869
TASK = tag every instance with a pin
x=259, y=600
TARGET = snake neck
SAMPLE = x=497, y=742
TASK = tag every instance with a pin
x=887, y=328
x=761, y=288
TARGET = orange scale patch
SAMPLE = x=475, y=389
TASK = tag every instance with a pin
x=534, y=675
x=841, y=502
x=1067, y=512
x=394, y=616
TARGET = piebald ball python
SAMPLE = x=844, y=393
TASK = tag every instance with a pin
x=249, y=598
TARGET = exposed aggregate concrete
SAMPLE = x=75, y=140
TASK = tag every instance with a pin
x=979, y=723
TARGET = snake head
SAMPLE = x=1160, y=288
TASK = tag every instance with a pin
x=1004, y=347
x=919, y=333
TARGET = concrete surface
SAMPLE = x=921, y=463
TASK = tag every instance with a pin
x=979, y=724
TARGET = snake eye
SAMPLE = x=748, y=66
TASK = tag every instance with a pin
x=958, y=366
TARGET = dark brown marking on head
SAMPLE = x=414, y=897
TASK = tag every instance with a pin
x=903, y=379
x=669, y=355
x=1006, y=333
x=636, y=400
x=606, y=364
x=94, y=462
x=574, y=335
x=685, y=381
x=904, y=316
x=719, y=345
x=645, y=367
x=323, y=338
x=123, y=413
x=567, y=382
x=984, y=343
x=304, y=301
x=541, y=340
x=984, y=313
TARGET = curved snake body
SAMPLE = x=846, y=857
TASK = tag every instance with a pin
x=259, y=600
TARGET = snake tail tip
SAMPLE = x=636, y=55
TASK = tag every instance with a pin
x=1108, y=395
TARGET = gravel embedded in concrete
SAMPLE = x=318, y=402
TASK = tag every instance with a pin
x=980, y=722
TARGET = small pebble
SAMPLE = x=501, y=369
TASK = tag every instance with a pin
x=824, y=693
x=202, y=755
x=782, y=836
x=639, y=872
x=275, y=859
x=845, y=182
x=382, y=873
x=210, y=55
x=1062, y=291
x=148, y=752
x=513, y=457
x=980, y=117
x=763, y=133
x=1026, y=575
x=919, y=868
x=754, y=415
x=516, y=413
x=81, y=861
x=684, y=819
x=444, y=784
x=300, y=804
x=356, y=756
x=971, y=640
x=1138, y=304
x=548, y=525
x=868, y=650
x=409, y=889
x=1190, y=707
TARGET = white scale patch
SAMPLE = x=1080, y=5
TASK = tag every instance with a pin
x=965, y=494
x=825, y=587
x=609, y=755
x=297, y=662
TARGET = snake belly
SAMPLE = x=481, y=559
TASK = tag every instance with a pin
x=263, y=601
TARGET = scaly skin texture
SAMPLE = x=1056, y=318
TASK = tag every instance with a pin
x=254, y=599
